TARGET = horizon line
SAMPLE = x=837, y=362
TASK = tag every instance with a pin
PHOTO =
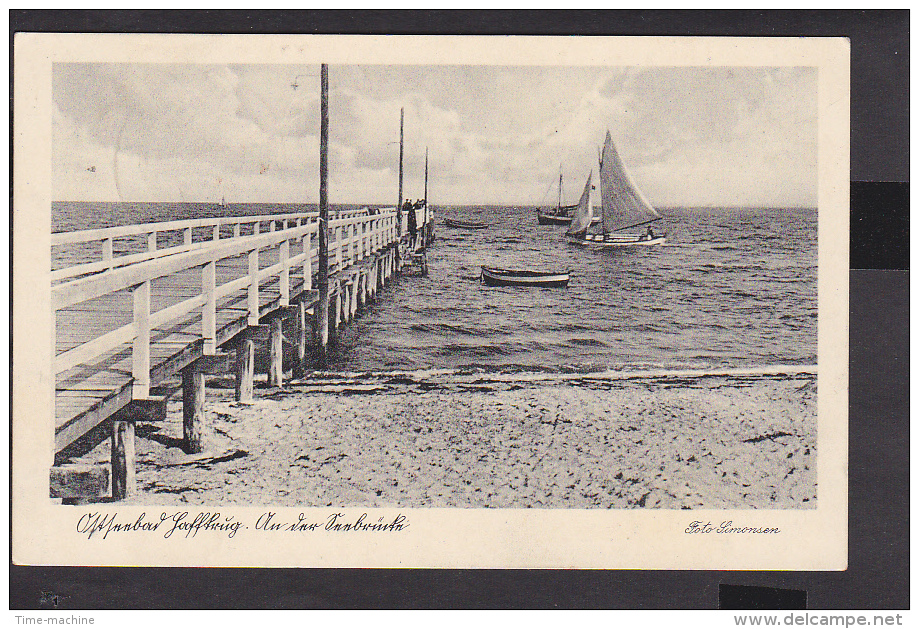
x=445, y=204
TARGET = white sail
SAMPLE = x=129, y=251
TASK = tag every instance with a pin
x=624, y=205
x=585, y=212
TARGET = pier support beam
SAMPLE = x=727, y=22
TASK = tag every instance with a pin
x=355, y=292
x=302, y=340
x=276, y=353
x=335, y=318
x=124, y=461
x=245, y=365
x=348, y=300
x=195, y=427
x=362, y=290
x=343, y=291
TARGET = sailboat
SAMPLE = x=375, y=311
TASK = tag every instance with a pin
x=624, y=207
x=562, y=214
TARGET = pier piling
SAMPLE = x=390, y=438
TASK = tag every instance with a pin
x=194, y=417
x=302, y=339
x=276, y=352
x=124, y=482
x=245, y=365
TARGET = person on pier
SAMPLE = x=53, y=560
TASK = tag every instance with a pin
x=412, y=224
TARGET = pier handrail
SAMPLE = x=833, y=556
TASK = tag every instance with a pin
x=378, y=231
x=107, y=236
x=90, y=235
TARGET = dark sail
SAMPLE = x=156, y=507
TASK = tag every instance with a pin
x=624, y=205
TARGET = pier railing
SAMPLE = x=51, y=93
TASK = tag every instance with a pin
x=352, y=237
x=184, y=232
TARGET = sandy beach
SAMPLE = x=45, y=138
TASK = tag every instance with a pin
x=718, y=441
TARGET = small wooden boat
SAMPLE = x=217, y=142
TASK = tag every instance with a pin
x=561, y=214
x=557, y=219
x=557, y=216
x=450, y=222
x=510, y=277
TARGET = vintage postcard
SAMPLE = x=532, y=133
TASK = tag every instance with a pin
x=498, y=302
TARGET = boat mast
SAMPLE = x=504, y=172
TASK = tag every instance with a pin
x=401, y=147
x=600, y=173
x=559, y=186
x=427, y=214
x=323, y=275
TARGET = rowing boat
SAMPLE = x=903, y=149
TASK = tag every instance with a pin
x=511, y=277
x=451, y=222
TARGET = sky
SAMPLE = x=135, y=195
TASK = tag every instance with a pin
x=725, y=136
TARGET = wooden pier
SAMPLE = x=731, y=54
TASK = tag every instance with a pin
x=194, y=302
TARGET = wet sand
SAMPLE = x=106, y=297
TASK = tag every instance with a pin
x=718, y=442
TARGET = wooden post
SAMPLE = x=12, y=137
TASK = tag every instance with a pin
x=236, y=229
x=276, y=353
x=217, y=232
x=323, y=276
x=151, y=241
x=336, y=312
x=194, y=418
x=345, y=308
x=140, y=355
x=426, y=218
x=351, y=252
x=355, y=289
x=338, y=249
x=284, y=280
x=374, y=226
x=252, y=299
x=186, y=237
x=302, y=340
x=124, y=483
x=108, y=252
x=209, y=310
x=363, y=288
x=245, y=366
x=306, y=243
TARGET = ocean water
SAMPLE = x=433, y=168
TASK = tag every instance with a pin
x=733, y=287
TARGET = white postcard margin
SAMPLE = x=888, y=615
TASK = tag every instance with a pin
x=46, y=534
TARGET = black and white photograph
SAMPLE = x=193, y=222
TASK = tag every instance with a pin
x=360, y=290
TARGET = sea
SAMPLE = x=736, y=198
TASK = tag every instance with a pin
x=732, y=287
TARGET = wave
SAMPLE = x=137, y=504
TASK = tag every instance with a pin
x=435, y=328
x=480, y=351
x=484, y=374
x=580, y=342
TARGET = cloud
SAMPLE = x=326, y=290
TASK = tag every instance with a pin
x=494, y=134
